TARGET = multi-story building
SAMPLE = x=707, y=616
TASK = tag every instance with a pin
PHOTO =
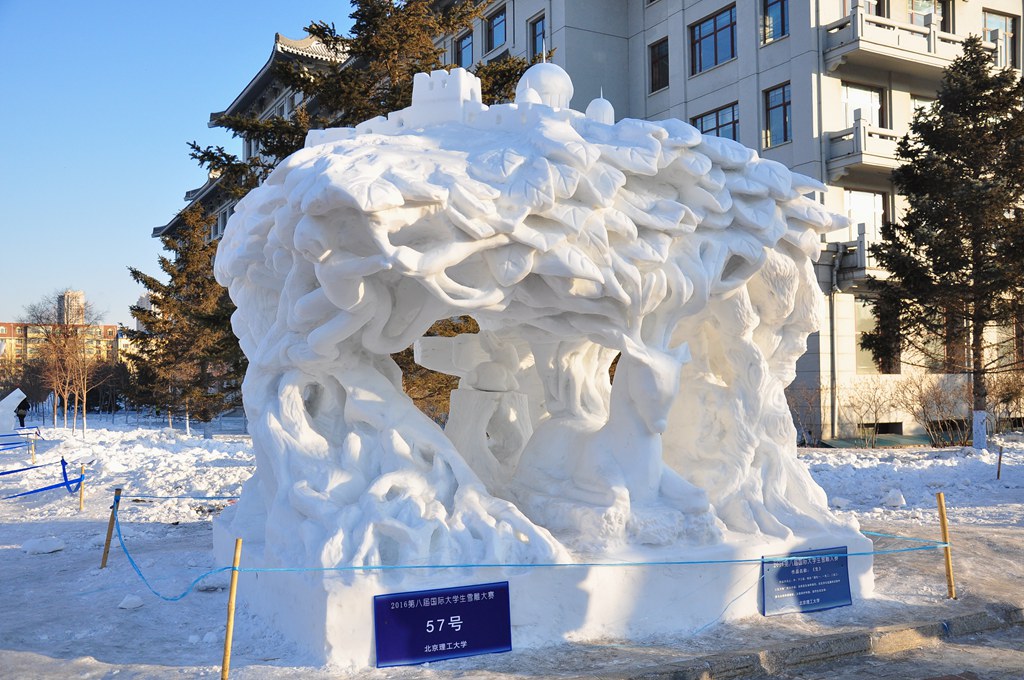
x=71, y=307
x=826, y=87
x=264, y=97
x=21, y=342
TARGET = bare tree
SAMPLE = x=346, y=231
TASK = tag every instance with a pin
x=66, y=362
x=865, y=404
x=805, y=405
x=939, y=403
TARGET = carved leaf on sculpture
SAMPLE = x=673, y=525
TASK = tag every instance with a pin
x=618, y=222
x=510, y=264
x=628, y=275
x=495, y=165
x=416, y=189
x=814, y=214
x=473, y=198
x=539, y=232
x=566, y=181
x=680, y=134
x=562, y=144
x=776, y=176
x=473, y=226
x=643, y=250
x=574, y=217
x=726, y=153
x=532, y=186
x=714, y=181
x=594, y=238
x=567, y=260
x=741, y=185
x=338, y=188
x=599, y=186
x=653, y=292
x=806, y=240
x=661, y=214
x=758, y=214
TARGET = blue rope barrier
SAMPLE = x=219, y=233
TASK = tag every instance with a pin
x=933, y=545
x=12, y=447
x=120, y=539
x=32, y=467
x=194, y=498
x=67, y=484
x=546, y=565
x=906, y=538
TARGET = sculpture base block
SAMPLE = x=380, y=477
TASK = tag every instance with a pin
x=329, y=614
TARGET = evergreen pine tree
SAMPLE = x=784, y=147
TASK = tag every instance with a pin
x=956, y=259
x=185, y=344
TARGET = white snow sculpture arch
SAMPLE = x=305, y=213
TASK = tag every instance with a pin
x=570, y=240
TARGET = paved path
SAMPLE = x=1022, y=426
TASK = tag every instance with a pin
x=995, y=655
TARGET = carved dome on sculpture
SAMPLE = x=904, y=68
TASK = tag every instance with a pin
x=551, y=83
x=601, y=110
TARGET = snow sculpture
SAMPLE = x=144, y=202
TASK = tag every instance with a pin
x=571, y=240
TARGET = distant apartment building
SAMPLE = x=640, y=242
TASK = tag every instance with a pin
x=825, y=87
x=22, y=342
x=71, y=307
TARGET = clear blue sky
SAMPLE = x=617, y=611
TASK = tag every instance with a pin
x=99, y=100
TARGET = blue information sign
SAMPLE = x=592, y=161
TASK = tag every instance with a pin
x=815, y=580
x=430, y=625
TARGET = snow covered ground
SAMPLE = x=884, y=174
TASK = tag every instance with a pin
x=61, y=616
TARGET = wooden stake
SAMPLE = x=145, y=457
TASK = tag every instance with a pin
x=81, y=492
x=32, y=448
x=950, y=586
x=110, y=527
x=226, y=666
x=999, y=465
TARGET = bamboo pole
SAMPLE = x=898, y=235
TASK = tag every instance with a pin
x=81, y=491
x=110, y=527
x=999, y=465
x=950, y=586
x=226, y=665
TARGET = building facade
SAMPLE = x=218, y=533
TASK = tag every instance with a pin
x=826, y=87
x=22, y=342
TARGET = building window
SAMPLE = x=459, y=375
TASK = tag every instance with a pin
x=871, y=7
x=919, y=10
x=496, y=29
x=537, y=43
x=723, y=122
x=918, y=101
x=713, y=40
x=1005, y=39
x=870, y=209
x=778, y=124
x=869, y=100
x=464, y=51
x=659, y=64
x=776, y=19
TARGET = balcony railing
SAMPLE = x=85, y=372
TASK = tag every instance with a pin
x=863, y=147
x=870, y=40
x=858, y=263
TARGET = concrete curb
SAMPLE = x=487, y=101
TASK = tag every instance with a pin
x=883, y=640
